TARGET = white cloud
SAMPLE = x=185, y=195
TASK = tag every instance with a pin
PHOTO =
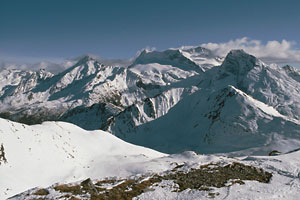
x=280, y=52
x=48, y=66
x=106, y=61
x=54, y=65
x=283, y=52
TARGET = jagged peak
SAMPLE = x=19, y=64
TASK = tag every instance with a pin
x=240, y=54
x=85, y=58
x=199, y=50
x=240, y=62
x=146, y=54
x=292, y=72
x=290, y=68
x=237, y=52
x=144, y=51
x=42, y=73
x=84, y=61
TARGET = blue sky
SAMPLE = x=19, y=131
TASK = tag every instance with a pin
x=56, y=29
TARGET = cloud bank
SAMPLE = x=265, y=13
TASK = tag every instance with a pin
x=56, y=66
x=106, y=61
x=279, y=52
x=48, y=66
x=283, y=52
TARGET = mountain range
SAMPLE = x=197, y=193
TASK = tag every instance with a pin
x=171, y=101
x=200, y=127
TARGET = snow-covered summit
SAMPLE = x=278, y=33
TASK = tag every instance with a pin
x=187, y=58
x=203, y=57
x=168, y=57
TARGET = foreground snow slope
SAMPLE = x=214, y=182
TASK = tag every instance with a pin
x=40, y=155
x=284, y=183
x=57, y=152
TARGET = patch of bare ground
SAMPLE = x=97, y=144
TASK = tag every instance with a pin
x=41, y=192
x=205, y=178
x=213, y=175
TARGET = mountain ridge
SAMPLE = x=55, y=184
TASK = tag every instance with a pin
x=124, y=100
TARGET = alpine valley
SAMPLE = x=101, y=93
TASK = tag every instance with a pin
x=200, y=126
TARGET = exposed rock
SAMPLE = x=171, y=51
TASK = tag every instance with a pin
x=2, y=155
x=274, y=153
x=205, y=178
x=89, y=186
x=42, y=192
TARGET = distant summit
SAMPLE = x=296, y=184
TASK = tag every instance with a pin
x=238, y=62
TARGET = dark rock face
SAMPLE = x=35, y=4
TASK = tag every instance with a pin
x=274, y=153
x=99, y=115
x=149, y=108
x=88, y=185
x=238, y=62
x=2, y=155
x=42, y=192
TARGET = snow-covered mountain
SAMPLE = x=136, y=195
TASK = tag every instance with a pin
x=174, y=100
x=89, y=85
x=223, y=121
x=241, y=104
x=58, y=160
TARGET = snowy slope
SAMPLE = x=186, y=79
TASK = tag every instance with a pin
x=202, y=57
x=284, y=183
x=222, y=121
x=20, y=81
x=53, y=152
x=172, y=57
x=272, y=84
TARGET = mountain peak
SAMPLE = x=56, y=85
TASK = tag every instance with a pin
x=239, y=62
x=199, y=50
x=85, y=58
x=172, y=57
x=237, y=52
x=289, y=68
